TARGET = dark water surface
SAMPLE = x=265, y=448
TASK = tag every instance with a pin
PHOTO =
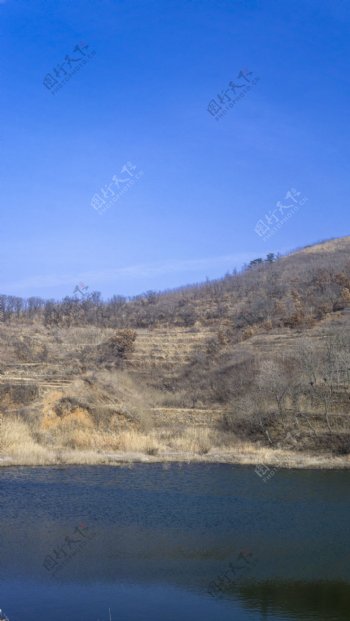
x=148, y=542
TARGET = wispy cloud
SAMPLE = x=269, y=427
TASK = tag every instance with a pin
x=143, y=270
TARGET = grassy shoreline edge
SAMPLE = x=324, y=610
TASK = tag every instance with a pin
x=277, y=459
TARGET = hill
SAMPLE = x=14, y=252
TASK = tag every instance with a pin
x=250, y=368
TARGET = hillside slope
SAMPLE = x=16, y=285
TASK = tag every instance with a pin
x=254, y=367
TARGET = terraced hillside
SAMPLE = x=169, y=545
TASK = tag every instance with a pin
x=254, y=362
x=166, y=350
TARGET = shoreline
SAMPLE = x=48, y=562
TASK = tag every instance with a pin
x=273, y=459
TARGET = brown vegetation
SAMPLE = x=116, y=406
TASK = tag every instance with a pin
x=259, y=359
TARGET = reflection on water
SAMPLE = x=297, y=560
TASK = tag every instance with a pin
x=148, y=541
x=297, y=600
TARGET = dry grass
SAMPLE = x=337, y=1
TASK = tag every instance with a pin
x=89, y=446
x=17, y=442
x=14, y=434
x=131, y=441
x=195, y=440
x=331, y=245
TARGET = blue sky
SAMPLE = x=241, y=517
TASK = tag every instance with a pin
x=143, y=98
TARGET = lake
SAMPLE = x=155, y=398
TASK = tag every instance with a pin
x=164, y=543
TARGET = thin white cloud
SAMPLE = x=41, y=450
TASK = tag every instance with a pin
x=112, y=275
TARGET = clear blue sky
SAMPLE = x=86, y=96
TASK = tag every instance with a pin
x=143, y=98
